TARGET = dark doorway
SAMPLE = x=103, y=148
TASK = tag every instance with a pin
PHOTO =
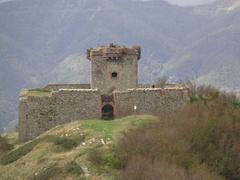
x=107, y=112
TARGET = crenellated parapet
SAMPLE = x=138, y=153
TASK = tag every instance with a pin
x=113, y=52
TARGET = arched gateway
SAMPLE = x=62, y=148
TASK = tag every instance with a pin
x=108, y=112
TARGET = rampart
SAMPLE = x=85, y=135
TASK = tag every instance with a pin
x=155, y=101
x=38, y=114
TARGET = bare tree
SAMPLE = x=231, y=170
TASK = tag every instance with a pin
x=162, y=81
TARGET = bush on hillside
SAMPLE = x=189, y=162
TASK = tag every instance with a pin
x=66, y=143
x=19, y=152
x=47, y=173
x=205, y=132
x=4, y=145
x=95, y=156
x=212, y=130
x=141, y=168
x=73, y=168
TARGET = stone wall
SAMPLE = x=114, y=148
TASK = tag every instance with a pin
x=157, y=101
x=55, y=87
x=113, y=59
x=126, y=69
x=39, y=114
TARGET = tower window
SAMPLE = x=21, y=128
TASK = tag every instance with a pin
x=114, y=75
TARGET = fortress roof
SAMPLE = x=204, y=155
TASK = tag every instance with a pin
x=113, y=51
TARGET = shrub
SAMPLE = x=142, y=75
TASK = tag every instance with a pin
x=19, y=152
x=141, y=168
x=162, y=81
x=95, y=156
x=111, y=160
x=212, y=128
x=73, y=168
x=216, y=142
x=154, y=140
x=47, y=173
x=4, y=145
x=65, y=142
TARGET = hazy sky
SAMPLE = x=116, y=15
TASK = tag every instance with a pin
x=178, y=2
x=189, y=2
x=1, y=1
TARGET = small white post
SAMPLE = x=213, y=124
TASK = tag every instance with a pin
x=135, y=110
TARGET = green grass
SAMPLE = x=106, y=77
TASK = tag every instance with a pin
x=38, y=92
x=111, y=128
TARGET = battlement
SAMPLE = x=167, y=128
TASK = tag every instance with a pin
x=113, y=52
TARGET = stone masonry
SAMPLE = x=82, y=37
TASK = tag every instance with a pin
x=113, y=93
x=114, y=67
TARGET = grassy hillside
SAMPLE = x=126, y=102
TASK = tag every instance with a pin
x=65, y=152
x=201, y=141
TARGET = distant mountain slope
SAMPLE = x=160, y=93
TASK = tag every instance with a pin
x=39, y=40
x=214, y=55
x=73, y=69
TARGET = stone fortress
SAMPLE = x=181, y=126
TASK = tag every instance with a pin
x=114, y=92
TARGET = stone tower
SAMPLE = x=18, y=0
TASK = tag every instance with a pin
x=114, y=67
